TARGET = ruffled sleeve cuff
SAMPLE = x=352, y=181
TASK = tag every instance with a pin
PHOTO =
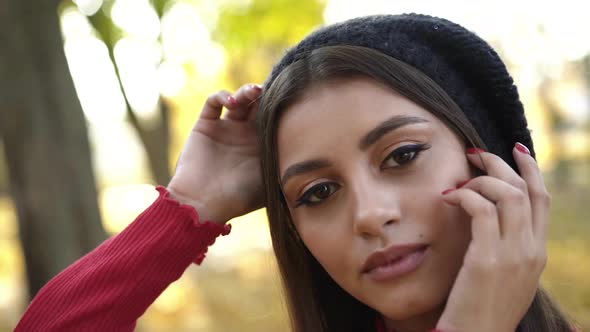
x=208, y=230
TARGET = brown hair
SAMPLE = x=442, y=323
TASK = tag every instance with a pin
x=315, y=301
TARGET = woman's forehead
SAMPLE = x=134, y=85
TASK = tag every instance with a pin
x=355, y=102
x=336, y=113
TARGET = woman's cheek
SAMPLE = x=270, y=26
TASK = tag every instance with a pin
x=328, y=241
x=454, y=238
x=447, y=229
x=326, y=248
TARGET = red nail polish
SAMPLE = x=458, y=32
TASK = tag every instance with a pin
x=475, y=150
x=232, y=100
x=447, y=191
x=462, y=183
x=522, y=148
x=256, y=87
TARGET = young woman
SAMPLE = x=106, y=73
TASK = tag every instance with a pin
x=394, y=160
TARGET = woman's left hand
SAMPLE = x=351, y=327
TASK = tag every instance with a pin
x=503, y=263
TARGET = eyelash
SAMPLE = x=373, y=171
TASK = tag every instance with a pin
x=413, y=149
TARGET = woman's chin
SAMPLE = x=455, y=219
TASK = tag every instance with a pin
x=405, y=311
x=410, y=305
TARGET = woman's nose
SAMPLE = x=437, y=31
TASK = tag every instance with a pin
x=375, y=205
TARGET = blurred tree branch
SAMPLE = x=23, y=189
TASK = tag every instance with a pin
x=155, y=138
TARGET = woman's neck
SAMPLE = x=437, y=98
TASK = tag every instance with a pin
x=421, y=323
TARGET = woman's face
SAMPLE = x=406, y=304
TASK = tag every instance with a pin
x=362, y=170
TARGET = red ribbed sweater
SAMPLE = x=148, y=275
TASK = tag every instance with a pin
x=111, y=287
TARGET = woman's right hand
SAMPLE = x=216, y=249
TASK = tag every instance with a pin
x=218, y=171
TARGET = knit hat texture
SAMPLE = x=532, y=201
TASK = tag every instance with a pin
x=462, y=63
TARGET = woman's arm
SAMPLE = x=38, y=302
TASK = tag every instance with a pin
x=218, y=174
x=112, y=286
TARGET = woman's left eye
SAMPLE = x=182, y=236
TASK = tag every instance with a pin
x=403, y=155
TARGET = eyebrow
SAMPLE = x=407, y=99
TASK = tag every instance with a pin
x=369, y=139
x=387, y=126
x=304, y=167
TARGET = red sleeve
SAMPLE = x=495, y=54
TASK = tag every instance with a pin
x=111, y=287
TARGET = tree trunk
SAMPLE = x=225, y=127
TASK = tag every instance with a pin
x=155, y=139
x=45, y=142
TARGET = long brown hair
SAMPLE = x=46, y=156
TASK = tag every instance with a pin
x=315, y=301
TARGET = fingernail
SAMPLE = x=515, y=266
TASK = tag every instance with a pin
x=256, y=87
x=232, y=100
x=447, y=191
x=475, y=150
x=522, y=148
x=462, y=183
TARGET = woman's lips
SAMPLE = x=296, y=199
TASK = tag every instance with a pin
x=399, y=265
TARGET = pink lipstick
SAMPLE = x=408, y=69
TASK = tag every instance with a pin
x=394, y=261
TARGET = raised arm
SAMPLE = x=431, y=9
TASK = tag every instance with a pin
x=112, y=286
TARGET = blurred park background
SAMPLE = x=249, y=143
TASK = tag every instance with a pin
x=97, y=96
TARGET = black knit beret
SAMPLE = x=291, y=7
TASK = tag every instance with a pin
x=462, y=63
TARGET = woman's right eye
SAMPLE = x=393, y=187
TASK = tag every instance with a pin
x=317, y=194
